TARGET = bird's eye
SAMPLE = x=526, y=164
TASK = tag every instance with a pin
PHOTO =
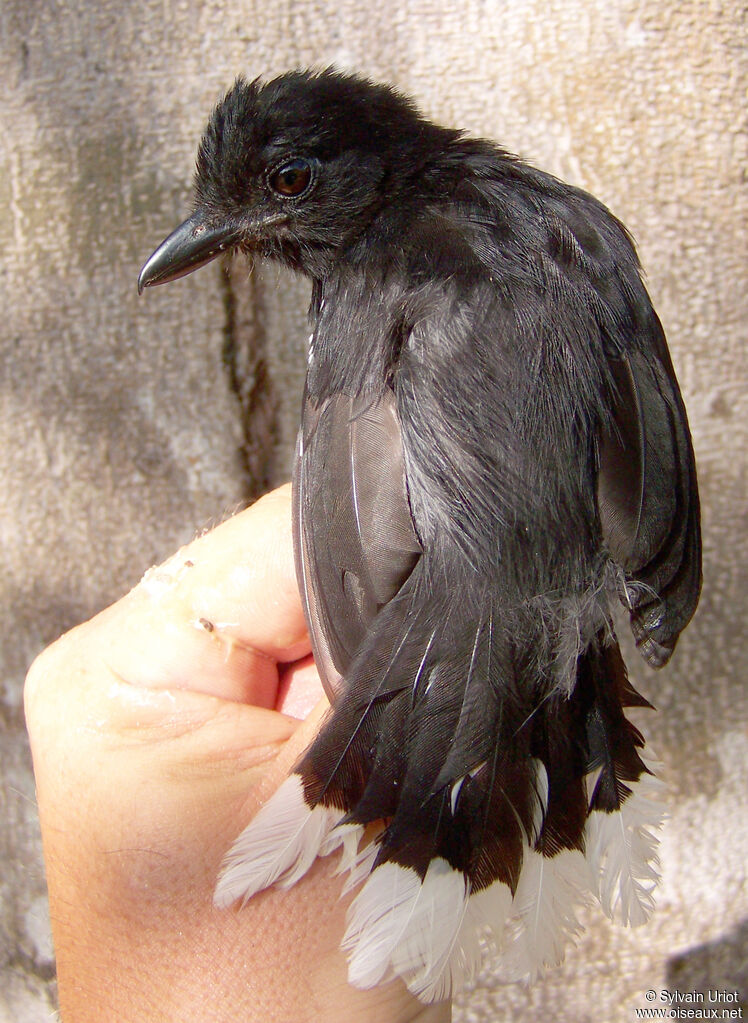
x=292, y=178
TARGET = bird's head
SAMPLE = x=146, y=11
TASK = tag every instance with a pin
x=295, y=169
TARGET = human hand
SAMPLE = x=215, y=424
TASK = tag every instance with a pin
x=158, y=728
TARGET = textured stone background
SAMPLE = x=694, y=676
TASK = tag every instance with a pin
x=126, y=425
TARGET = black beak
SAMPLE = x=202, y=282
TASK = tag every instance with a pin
x=193, y=244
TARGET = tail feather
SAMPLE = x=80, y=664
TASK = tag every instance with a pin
x=403, y=924
x=277, y=847
x=546, y=804
x=544, y=920
x=623, y=808
x=622, y=852
x=361, y=867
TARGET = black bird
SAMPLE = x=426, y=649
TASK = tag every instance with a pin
x=493, y=450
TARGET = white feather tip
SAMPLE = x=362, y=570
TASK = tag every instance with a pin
x=622, y=850
x=277, y=847
x=417, y=930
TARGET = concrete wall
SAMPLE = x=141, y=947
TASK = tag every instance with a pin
x=126, y=424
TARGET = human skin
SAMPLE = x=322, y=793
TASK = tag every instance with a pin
x=157, y=729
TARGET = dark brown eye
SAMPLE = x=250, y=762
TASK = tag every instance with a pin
x=291, y=178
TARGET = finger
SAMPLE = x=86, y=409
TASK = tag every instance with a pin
x=219, y=615
x=300, y=689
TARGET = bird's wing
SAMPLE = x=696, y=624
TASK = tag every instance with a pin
x=353, y=533
x=648, y=498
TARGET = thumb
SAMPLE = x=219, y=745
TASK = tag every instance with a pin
x=220, y=615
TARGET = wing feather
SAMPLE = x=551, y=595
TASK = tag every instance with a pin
x=354, y=538
x=648, y=500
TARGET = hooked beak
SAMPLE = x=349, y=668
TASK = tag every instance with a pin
x=193, y=244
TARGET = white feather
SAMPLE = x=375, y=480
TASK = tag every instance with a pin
x=348, y=836
x=277, y=847
x=622, y=851
x=484, y=922
x=377, y=918
x=361, y=866
x=544, y=921
x=488, y=911
x=429, y=956
x=398, y=924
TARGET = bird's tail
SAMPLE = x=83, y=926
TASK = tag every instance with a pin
x=505, y=804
